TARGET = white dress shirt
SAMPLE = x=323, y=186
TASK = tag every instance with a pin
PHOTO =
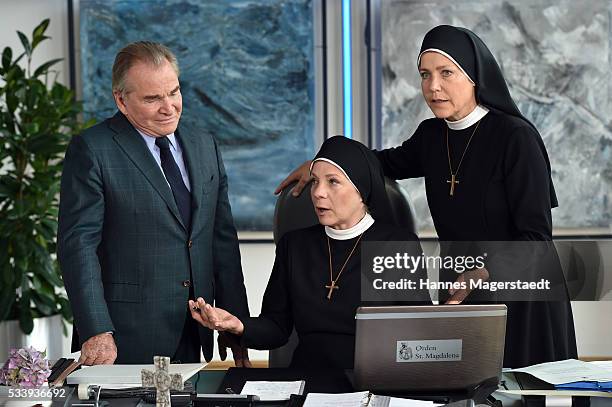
x=177, y=153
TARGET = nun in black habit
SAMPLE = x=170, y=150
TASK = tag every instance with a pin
x=487, y=178
x=315, y=285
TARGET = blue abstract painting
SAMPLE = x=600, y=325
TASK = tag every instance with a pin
x=247, y=78
x=556, y=58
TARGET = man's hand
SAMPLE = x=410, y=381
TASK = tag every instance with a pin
x=240, y=353
x=301, y=174
x=458, y=296
x=99, y=350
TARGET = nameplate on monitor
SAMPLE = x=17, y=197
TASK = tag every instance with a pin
x=447, y=350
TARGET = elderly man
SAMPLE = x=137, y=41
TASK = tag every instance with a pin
x=145, y=223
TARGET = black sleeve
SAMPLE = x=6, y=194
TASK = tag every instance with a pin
x=531, y=256
x=230, y=292
x=527, y=185
x=405, y=161
x=418, y=296
x=396, y=241
x=275, y=323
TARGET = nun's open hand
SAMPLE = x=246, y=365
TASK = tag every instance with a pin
x=222, y=321
x=468, y=278
x=214, y=317
x=301, y=174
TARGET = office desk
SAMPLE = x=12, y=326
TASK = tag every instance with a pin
x=317, y=381
x=232, y=380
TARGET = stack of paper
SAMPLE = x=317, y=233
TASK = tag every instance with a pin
x=573, y=374
x=361, y=399
x=357, y=399
x=386, y=401
x=121, y=376
x=273, y=391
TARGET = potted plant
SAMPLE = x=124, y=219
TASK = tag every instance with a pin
x=38, y=116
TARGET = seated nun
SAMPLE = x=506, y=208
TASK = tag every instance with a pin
x=315, y=285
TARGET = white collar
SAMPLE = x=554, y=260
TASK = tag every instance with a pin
x=478, y=113
x=150, y=140
x=352, y=232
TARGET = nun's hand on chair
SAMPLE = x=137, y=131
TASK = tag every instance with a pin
x=468, y=279
x=214, y=317
x=301, y=174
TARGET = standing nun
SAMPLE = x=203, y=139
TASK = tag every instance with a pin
x=487, y=178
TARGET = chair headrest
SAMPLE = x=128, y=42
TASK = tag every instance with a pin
x=292, y=213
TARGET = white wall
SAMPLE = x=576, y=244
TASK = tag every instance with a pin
x=592, y=320
x=257, y=261
x=24, y=15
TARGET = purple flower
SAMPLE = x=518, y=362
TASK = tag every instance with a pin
x=26, y=368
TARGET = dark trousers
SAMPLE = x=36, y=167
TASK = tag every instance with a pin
x=189, y=347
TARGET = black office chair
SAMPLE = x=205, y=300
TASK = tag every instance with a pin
x=292, y=213
x=583, y=267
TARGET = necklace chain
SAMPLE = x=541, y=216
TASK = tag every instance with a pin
x=332, y=282
x=453, y=175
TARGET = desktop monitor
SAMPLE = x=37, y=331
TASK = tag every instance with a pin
x=428, y=348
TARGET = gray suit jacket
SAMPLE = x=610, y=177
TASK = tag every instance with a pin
x=122, y=247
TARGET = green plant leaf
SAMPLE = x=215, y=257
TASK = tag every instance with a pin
x=66, y=309
x=36, y=283
x=18, y=58
x=42, y=305
x=41, y=70
x=47, y=229
x=38, y=33
x=12, y=102
x=38, y=40
x=7, y=298
x=4, y=190
x=25, y=42
x=45, y=144
x=52, y=276
x=6, y=277
x=7, y=56
x=13, y=76
x=26, y=319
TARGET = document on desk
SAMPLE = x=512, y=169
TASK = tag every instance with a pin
x=386, y=401
x=567, y=371
x=273, y=391
x=356, y=399
x=603, y=364
x=361, y=399
x=122, y=376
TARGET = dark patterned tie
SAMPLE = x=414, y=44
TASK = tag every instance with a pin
x=182, y=197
